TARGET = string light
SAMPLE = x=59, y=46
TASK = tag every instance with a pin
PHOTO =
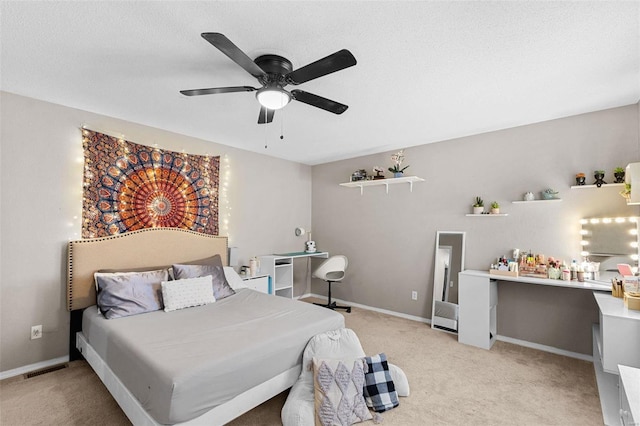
x=224, y=205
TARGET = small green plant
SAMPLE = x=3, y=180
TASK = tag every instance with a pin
x=599, y=172
x=495, y=205
x=550, y=191
x=479, y=202
x=618, y=170
x=626, y=192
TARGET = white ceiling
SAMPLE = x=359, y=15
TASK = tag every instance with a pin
x=427, y=71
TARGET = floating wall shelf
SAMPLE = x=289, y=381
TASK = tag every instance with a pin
x=594, y=186
x=386, y=182
x=537, y=201
x=489, y=214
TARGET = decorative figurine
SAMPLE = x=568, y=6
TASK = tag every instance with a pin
x=311, y=246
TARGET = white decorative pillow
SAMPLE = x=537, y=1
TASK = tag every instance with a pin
x=188, y=292
x=234, y=280
x=338, y=387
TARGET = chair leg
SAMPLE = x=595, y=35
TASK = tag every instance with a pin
x=330, y=304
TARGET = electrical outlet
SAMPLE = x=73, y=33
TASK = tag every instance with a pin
x=36, y=332
x=414, y=295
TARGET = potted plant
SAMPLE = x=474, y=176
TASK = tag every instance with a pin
x=398, y=158
x=599, y=175
x=478, y=206
x=626, y=192
x=549, y=194
x=495, y=207
x=580, y=178
x=618, y=172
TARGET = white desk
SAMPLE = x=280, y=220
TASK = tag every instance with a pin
x=280, y=268
x=629, y=395
x=478, y=300
x=616, y=351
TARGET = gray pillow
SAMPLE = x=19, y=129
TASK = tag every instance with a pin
x=123, y=294
x=211, y=261
x=143, y=269
x=221, y=287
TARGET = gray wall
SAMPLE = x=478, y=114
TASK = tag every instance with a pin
x=389, y=238
x=40, y=183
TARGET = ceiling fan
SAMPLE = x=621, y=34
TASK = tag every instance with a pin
x=274, y=73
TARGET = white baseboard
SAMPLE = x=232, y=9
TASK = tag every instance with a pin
x=506, y=339
x=545, y=348
x=370, y=308
x=33, y=367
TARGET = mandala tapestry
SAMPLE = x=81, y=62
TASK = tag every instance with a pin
x=129, y=186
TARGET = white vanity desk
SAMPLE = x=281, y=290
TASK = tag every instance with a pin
x=478, y=299
x=616, y=339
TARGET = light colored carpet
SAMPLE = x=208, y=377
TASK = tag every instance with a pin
x=451, y=384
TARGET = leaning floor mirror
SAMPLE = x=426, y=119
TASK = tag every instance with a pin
x=449, y=260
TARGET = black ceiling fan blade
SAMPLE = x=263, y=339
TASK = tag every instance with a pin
x=319, y=101
x=332, y=63
x=222, y=43
x=214, y=90
x=265, y=116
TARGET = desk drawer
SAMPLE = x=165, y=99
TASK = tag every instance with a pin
x=260, y=284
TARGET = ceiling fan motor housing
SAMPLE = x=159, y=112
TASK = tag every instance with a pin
x=275, y=67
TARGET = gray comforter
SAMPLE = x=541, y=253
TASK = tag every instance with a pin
x=181, y=364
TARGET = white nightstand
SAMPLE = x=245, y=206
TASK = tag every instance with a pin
x=260, y=282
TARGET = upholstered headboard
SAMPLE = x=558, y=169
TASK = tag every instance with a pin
x=137, y=249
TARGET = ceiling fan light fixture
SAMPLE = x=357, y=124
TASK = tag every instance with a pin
x=273, y=97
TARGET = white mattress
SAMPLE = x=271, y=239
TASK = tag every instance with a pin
x=181, y=364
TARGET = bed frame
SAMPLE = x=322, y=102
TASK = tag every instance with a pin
x=140, y=249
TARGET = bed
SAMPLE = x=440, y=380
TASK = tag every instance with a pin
x=200, y=365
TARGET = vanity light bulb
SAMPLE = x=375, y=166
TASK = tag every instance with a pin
x=595, y=221
x=620, y=219
x=633, y=219
x=606, y=220
x=634, y=244
x=583, y=221
x=584, y=253
x=584, y=232
x=634, y=257
x=584, y=243
x=633, y=231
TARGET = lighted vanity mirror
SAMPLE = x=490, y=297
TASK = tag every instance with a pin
x=449, y=260
x=610, y=241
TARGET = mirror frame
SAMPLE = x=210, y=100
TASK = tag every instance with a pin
x=462, y=255
x=625, y=252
